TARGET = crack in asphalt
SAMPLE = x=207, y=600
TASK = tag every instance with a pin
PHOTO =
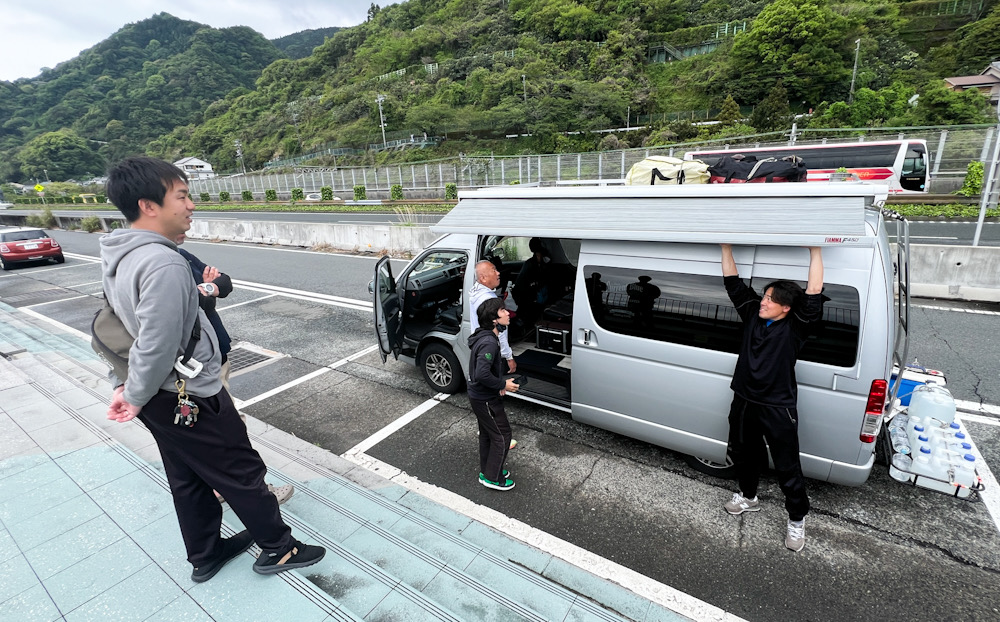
x=968, y=367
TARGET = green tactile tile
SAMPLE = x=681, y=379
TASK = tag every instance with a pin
x=27, y=480
x=61, y=552
x=525, y=591
x=506, y=547
x=659, y=613
x=447, y=518
x=38, y=414
x=162, y=541
x=64, y=437
x=331, y=523
x=78, y=398
x=8, y=548
x=90, y=577
x=135, y=598
x=238, y=593
x=397, y=608
x=182, y=609
x=469, y=603
x=371, y=509
x=451, y=551
x=95, y=466
x=395, y=560
x=54, y=522
x=134, y=500
x=31, y=605
x=37, y=500
x=356, y=590
x=604, y=592
x=15, y=577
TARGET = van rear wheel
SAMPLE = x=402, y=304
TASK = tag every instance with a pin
x=724, y=470
x=441, y=368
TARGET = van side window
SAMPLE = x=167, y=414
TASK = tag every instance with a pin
x=694, y=310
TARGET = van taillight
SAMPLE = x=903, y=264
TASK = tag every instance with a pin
x=873, y=411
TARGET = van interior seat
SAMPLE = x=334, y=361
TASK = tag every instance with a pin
x=450, y=317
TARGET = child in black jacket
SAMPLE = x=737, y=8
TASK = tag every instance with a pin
x=486, y=389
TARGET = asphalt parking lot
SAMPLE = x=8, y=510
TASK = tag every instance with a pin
x=881, y=549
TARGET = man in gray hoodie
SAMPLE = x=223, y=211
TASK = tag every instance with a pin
x=150, y=287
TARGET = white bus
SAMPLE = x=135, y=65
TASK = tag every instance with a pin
x=901, y=164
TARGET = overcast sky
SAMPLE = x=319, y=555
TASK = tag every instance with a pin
x=44, y=33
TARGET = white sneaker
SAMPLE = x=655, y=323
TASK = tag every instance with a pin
x=796, y=538
x=741, y=504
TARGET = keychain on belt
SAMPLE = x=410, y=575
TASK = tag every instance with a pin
x=186, y=412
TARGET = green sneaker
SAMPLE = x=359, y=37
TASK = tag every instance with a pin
x=506, y=485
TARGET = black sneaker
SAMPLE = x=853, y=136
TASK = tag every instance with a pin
x=299, y=556
x=231, y=547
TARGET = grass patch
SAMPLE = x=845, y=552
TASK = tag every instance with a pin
x=950, y=210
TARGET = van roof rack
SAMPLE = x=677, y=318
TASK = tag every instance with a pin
x=793, y=214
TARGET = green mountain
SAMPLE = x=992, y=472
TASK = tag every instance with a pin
x=301, y=44
x=140, y=83
x=476, y=71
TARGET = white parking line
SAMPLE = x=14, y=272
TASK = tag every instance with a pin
x=89, y=258
x=973, y=311
x=643, y=586
x=298, y=381
x=327, y=299
x=397, y=425
x=991, y=495
x=38, y=304
x=240, y=304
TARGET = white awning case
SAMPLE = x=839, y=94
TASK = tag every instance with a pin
x=813, y=214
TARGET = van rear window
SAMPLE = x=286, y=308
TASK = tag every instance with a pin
x=694, y=310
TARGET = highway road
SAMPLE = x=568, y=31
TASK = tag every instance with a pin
x=878, y=551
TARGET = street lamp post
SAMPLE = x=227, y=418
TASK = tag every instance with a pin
x=854, y=74
x=628, y=117
x=989, y=180
x=524, y=84
x=381, y=119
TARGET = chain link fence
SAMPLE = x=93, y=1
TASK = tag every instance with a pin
x=950, y=151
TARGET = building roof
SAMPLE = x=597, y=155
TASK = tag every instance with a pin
x=191, y=160
x=973, y=81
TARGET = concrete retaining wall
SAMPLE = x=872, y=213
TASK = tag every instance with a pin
x=397, y=240
x=956, y=272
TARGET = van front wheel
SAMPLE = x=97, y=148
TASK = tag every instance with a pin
x=725, y=470
x=441, y=368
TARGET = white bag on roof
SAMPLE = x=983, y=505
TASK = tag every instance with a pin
x=656, y=170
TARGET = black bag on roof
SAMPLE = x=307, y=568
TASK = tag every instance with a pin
x=742, y=169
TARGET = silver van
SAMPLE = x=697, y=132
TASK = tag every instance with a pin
x=629, y=327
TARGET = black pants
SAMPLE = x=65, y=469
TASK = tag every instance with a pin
x=749, y=425
x=494, y=437
x=214, y=454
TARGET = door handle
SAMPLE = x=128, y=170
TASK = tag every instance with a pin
x=586, y=336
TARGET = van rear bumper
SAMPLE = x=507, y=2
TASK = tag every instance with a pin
x=851, y=474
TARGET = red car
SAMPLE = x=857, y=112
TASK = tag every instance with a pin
x=20, y=244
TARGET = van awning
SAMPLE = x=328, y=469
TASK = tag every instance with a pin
x=792, y=214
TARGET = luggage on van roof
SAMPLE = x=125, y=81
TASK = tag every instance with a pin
x=818, y=214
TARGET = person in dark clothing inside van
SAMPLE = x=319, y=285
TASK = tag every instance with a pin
x=775, y=328
x=486, y=389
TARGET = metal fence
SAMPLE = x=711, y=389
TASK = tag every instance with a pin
x=950, y=151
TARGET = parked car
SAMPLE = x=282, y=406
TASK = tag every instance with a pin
x=5, y=205
x=23, y=244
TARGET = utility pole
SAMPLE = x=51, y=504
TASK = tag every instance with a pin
x=628, y=117
x=381, y=119
x=854, y=74
x=989, y=180
x=239, y=154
